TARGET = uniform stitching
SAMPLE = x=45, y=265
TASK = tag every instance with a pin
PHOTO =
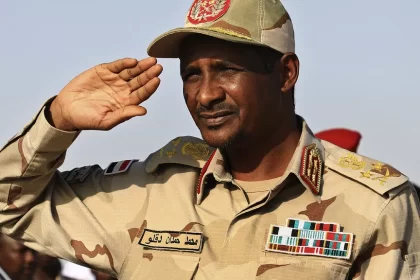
x=369, y=233
x=382, y=208
x=235, y=31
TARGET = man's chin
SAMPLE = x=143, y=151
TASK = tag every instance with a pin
x=218, y=139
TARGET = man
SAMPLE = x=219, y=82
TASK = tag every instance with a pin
x=17, y=262
x=261, y=198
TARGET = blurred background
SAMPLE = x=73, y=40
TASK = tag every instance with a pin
x=359, y=70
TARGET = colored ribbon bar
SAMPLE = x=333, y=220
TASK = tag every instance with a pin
x=309, y=238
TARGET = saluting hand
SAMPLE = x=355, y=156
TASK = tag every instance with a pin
x=106, y=95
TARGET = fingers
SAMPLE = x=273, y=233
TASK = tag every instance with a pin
x=143, y=93
x=120, y=65
x=145, y=77
x=140, y=67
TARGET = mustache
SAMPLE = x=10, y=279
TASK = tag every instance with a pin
x=217, y=108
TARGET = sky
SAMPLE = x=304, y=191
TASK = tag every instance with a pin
x=359, y=70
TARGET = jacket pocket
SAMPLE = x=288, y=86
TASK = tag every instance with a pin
x=301, y=267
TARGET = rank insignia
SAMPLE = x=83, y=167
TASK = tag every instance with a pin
x=311, y=167
x=118, y=167
x=302, y=237
x=77, y=175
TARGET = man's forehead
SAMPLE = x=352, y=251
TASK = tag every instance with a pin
x=204, y=47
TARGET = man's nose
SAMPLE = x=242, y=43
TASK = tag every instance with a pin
x=30, y=256
x=210, y=92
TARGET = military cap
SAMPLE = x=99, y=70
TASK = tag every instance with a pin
x=263, y=23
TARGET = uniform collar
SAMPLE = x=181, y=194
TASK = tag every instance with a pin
x=307, y=164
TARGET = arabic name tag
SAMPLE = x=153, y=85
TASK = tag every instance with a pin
x=172, y=240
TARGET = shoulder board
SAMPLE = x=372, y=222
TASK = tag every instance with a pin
x=376, y=175
x=77, y=175
x=186, y=150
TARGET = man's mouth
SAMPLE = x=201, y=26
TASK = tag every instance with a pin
x=215, y=118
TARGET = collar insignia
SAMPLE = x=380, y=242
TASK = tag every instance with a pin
x=311, y=167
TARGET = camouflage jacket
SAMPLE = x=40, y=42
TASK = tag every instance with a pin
x=180, y=215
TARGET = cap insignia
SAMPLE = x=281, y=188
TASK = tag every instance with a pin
x=203, y=11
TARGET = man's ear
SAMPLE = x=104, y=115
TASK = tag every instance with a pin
x=290, y=64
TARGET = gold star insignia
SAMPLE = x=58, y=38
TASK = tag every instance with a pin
x=170, y=154
x=383, y=180
x=366, y=174
x=378, y=166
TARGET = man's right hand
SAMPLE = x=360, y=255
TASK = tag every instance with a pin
x=105, y=95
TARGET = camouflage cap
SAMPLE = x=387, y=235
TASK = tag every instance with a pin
x=257, y=22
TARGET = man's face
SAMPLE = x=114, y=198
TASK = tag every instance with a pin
x=228, y=90
x=16, y=260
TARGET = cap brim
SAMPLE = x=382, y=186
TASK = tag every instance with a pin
x=168, y=44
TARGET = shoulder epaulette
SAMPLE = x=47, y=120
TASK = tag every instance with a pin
x=186, y=150
x=77, y=175
x=376, y=175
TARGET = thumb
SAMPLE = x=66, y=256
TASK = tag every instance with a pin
x=124, y=114
x=132, y=111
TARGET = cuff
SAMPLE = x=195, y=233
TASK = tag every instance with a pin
x=43, y=137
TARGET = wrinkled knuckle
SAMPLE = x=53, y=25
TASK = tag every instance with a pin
x=131, y=86
x=140, y=68
x=148, y=75
x=148, y=89
x=139, y=81
x=139, y=95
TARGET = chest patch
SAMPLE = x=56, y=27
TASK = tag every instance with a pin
x=182, y=241
x=301, y=237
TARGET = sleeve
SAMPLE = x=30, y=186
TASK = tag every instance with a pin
x=393, y=250
x=82, y=216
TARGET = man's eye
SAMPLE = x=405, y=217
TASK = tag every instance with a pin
x=189, y=76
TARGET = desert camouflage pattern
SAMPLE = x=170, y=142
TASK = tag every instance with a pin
x=185, y=187
x=258, y=22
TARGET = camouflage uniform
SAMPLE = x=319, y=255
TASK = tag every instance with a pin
x=181, y=215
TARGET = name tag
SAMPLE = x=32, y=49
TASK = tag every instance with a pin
x=172, y=240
